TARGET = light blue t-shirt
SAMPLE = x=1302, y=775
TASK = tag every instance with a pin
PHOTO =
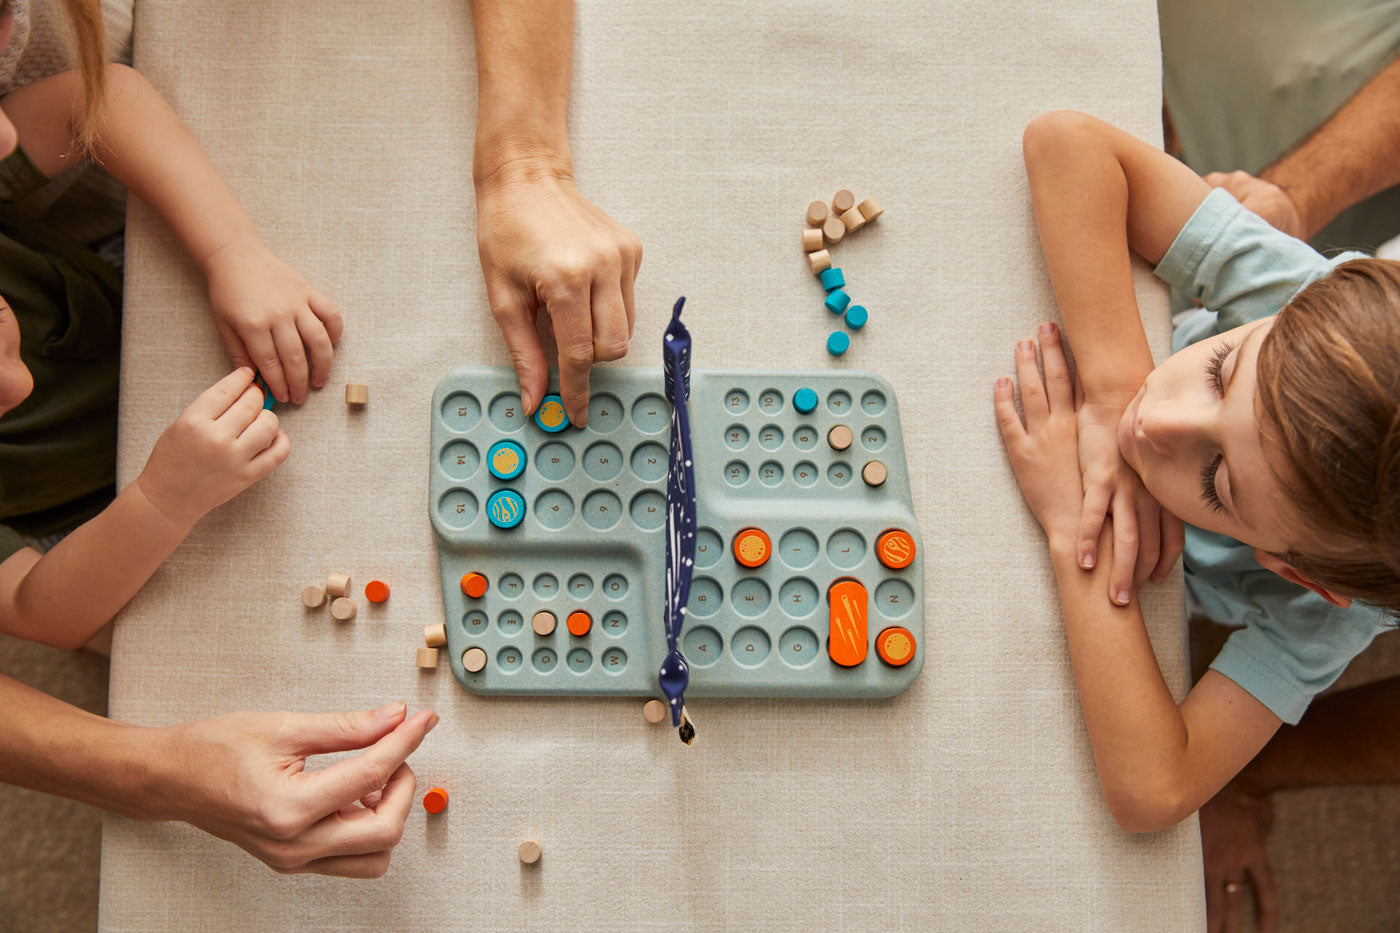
x=1291, y=644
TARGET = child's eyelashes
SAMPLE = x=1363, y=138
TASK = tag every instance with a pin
x=1216, y=367
x=1208, y=493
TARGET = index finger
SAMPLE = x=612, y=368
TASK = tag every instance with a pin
x=347, y=781
x=216, y=399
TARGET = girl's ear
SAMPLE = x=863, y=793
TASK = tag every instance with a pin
x=1286, y=570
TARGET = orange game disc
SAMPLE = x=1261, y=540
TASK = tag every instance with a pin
x=580, y=622
x=435, y=800
x=474, y=585
x=376, y=591
x=752, y=547
x=895, y=549
x=895, y=645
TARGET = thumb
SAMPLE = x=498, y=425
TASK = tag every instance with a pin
x=320, y=733
x=516, y=319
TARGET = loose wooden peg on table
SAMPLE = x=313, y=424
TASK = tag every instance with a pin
x=530, y=851
x=833, y=229
x=313, y=596
x=844, y=200
x=817, y=213
x=427, y=657
x=356, y=395
x=338, y=584
x=820, y=261
x=435, y=800
x=343, y=609
x=811, y=239
x=870, y=209
x=853, y=219
x=435, y=636
x=653, y=711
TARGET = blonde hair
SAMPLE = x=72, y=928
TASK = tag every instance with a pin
x=1329, y=383
x=85, y=17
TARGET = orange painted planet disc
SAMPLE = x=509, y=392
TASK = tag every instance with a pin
x=895, y=645
x=895, y=549
x=752, y=547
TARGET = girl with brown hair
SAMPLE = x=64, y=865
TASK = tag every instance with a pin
x=1273, y=433
x=74, y=550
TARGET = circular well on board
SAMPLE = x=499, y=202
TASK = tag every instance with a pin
x=460, y=411
x=459, y=459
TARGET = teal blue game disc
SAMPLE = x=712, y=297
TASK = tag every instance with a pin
x=505, y=508
x=551, y=416
x=804, y=400
x=505, y=460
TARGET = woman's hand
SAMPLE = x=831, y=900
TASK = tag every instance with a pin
x=1043, y=451
x=270, y=319
x=242, y=778
x=1234, y=836
x=1147, y=539
x=544, y=245
x=224, y=442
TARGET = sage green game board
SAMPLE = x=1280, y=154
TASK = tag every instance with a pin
x=590, y=536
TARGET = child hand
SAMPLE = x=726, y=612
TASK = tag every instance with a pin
x=270, y=319
x=543, y=244
x=219, y=446
x=1147, y=539
x=1044, y=451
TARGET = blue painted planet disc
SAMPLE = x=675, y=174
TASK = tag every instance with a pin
x=551, y=416
x=505, y=508
x=505, y=459
x=804, y=400
x=837, y=343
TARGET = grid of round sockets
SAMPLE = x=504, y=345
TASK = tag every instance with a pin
x=604, y=600
x=556, y=459
x=753, y=439
x=609, y=476
x=789, y=605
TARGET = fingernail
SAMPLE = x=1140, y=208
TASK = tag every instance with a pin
x=1122, y=597
x=1087, y=562
x=389, y=711
x=1047, y=328
x=1023, y=345
x=1003, y=382
x=432, y=724
x=372, y=799
x=579, y=420
x=527, y=402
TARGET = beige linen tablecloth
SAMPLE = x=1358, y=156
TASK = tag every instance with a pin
x=968, y=802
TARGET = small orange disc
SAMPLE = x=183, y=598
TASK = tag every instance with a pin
x=474, y=585
x=752, y=547
x=895, y=645
x=376, y=591
x=580, y=622
x=895, y=549
x=435, y=800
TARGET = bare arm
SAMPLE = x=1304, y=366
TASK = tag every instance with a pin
x=1352, y=156
x=110, y=558
x=266, y=315
x=542, y=243
x=240, y=777
x=1157, y=762
x=1099, y=194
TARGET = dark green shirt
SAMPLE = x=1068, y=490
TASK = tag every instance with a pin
x=58, y=447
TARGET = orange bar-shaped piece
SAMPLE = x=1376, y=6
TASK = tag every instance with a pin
x=847, y=643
